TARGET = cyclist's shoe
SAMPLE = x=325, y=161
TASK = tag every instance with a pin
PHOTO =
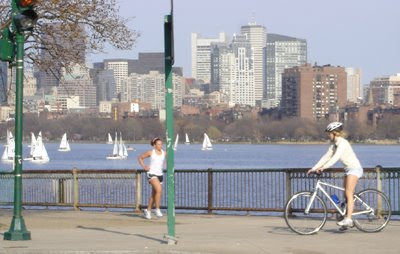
x=147, y=214
x=158, y=213
x=346, y=222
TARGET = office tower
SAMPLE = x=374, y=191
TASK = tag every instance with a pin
x=104, y=82
x=354, y=90
x=150, y=88
x=77, y=82
x=313, y=92
x=257, y=36
x=386, y=90
x=119, y=68
x=201, y=55
x=282, y=52
x=60, y=39
x=233, y=71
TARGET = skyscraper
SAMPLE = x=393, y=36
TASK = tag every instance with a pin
x=61, y=40
x=313, y=92
x=78, y=83
x=150, y=88
x=283, y=52
x=201, y=55
x=257, y=36
x=354, y=90
x=233, y=71
x=120, y=69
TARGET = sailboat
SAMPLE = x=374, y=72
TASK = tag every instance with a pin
x=32, y=146
x=206, y=143
x=8, y=154
x=187, y=142
x=39, y=152
x=119, y=150
x=109, y=141
x=176, y=142
x=64, y=145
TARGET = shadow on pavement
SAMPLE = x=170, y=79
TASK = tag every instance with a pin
x=104, y=230
x=150, y=238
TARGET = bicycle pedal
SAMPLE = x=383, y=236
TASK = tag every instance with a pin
x=343, y=228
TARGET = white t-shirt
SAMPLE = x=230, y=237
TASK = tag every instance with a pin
x=340, y=150
x=157, y=163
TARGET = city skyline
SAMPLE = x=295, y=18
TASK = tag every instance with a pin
x=347, y=37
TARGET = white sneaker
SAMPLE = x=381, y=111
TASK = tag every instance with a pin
x=147, y=214
x=158, y=213
x=346, y=222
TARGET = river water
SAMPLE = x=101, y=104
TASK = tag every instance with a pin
x=223, y=156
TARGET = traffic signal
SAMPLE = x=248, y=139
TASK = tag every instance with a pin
x=7, y=49
x=25, y=17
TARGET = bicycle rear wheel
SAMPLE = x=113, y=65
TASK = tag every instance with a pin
x=375, y=211
x=298, y=220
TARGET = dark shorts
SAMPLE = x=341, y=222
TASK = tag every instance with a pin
x=150, y=176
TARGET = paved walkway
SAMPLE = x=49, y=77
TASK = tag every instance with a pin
x=114, y=232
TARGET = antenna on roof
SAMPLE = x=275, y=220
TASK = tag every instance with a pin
x=253, y=19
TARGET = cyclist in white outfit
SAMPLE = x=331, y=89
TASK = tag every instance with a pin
x=154, y=175
x=340, y=149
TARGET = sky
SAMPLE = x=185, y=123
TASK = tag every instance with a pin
x=351, y=33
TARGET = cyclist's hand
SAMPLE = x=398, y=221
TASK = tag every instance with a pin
x=317, y=171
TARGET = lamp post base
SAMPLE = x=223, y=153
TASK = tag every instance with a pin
x=17, y=231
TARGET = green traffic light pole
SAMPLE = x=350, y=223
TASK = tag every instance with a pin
x=18, y=229
x=169, y=61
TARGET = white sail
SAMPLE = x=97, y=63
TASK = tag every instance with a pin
x=109, y=141
x=8, y=154
x=115, y=149
x=187, y=142
x=206, y=143
x=124, y=151
x=40, y=154
x=33, y=143
x=64, y=145
x=176, y=142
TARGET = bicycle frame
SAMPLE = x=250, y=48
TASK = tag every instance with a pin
x=319, y=186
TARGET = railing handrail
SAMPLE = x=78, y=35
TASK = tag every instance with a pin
x=134, y=171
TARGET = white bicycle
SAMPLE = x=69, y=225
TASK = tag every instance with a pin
x=306, y=212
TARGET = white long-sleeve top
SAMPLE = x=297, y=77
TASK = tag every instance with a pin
x=340, y=150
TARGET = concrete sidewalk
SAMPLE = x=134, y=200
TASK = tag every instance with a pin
x=115, y=232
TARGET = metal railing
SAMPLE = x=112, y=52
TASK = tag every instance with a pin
x=258, y=190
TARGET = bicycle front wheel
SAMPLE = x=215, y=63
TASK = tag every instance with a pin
x=301, y=222
x=372, y=210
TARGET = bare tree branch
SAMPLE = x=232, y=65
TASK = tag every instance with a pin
x=66, y=28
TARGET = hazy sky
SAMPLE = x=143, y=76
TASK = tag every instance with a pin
x=351, y=33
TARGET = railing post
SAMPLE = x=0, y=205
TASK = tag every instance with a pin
x=210, y=191
x=138, y=191
x=61, y=191
x=288, y=188
x=76, y=189
x=378, y=170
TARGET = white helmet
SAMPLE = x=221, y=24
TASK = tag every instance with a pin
x=335, y=126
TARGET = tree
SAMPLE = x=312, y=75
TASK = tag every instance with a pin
x=94, y=22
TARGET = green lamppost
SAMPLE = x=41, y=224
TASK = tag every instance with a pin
x=23, y=19
x=169, y=61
